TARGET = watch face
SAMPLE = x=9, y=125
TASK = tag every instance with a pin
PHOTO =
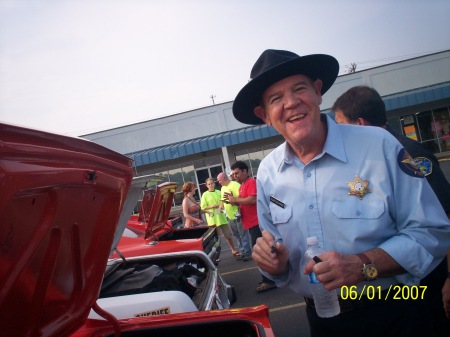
x=370, y=272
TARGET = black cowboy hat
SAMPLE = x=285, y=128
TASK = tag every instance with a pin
x=274, y=65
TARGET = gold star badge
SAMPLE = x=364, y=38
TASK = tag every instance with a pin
x=358, y=187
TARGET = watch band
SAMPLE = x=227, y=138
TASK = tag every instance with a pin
x=364, y=258
x=369, y=271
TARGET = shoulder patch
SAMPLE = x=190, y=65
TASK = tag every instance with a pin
x=425, y=165
x=409, y=165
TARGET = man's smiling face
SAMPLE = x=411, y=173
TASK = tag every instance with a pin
x=292, y=107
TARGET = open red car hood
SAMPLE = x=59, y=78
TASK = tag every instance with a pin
x=60, y=203
x=155, y=207
x=138, y=186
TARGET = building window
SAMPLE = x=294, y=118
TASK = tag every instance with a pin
x=188, y=174
x=253, y=157
x=430, y=127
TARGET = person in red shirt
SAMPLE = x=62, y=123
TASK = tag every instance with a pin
x=247, y=208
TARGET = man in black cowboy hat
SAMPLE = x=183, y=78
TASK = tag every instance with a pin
x=380, y=222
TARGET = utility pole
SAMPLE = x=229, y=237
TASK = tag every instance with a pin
x=212, y=97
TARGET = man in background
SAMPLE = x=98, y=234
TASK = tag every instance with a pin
x=247, y=207
x=362, y=105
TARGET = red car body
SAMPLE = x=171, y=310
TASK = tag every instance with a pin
x=62, y=199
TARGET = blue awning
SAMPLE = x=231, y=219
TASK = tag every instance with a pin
x=416, y=97
x=198, y=145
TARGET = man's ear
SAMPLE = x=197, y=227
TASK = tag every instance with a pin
x=362, y=121
x=260, y=112
x=317, y=85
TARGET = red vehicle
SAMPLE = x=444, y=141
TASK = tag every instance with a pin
x=151, y=235
x=62, y=200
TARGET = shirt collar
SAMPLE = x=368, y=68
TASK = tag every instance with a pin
x=334, y=145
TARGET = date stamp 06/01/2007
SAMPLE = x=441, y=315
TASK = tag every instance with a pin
x=397, y=292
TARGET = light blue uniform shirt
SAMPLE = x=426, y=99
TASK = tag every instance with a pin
x=401, y=214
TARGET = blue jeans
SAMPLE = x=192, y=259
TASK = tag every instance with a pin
x=242, y=237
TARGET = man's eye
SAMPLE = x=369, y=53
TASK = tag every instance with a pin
x=275, y=99
x=299, y=88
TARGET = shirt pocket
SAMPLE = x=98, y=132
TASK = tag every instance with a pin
x=358, y=209
x=280, y=215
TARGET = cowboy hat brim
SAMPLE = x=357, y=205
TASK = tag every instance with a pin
x=324, y=67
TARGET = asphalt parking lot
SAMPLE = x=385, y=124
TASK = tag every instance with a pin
x=286, y=309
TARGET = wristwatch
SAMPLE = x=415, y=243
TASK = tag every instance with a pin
x=369, y=271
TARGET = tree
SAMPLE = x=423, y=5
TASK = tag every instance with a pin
x=351, y=68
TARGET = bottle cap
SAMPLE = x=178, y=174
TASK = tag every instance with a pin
x=312, y=240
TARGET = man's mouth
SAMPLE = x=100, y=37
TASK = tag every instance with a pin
x=296, y=117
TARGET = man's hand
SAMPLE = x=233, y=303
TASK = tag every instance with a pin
x=336, y=270
x=273, y=261
x=232, y=200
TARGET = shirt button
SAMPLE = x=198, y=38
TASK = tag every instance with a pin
x=308, y=174
x=311, y=206
x=358, y=213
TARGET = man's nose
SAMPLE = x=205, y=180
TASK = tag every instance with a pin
x=291, y=100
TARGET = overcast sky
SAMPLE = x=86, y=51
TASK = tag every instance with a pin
x=80, y=66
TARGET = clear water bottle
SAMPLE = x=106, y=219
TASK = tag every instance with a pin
x=326, y=302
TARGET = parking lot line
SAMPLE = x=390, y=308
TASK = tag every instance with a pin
x=237, y=271
x=287, y=307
